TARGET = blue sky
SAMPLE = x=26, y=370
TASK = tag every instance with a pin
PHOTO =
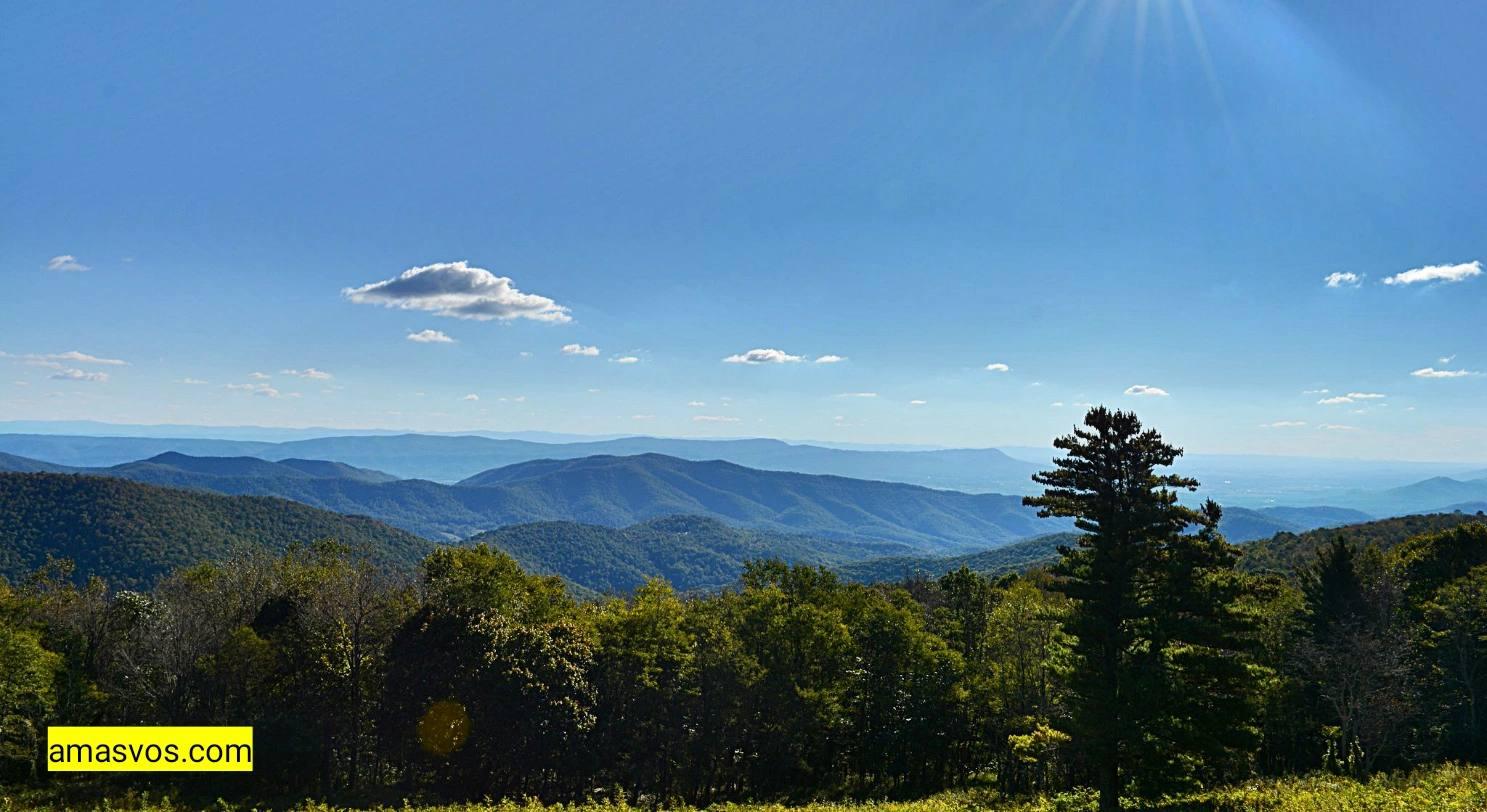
x=1107, y=198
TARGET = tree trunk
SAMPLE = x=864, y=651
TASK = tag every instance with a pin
x=1109, y=787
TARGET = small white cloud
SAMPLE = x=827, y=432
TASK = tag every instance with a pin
x=1437, y=273
x=430, y=337
x=858, y=395
x=918, y=402
x=260, y=389
x=1431, y=372
x=310, y=373
x=258, y=376
x=1057, y=404
x=79, y=375
x=713, y=418
x=525, y=354
x=1316, y=391
x=65, y=263
x=1342, y=280
x=998, y=367
x=626, y=359
x=1334, y=401
x=458, y=290
x=831, y=359
x=642, y=417
x=52, y=360
x=1366, y=396
x=696, y=404
x=1338, y=427
x=516, y=399
x=1284, y=424
x=763, y=356
x=1143, y=391
x=192, y=381
x=471, y=396
x=579, y=349
x=83, y=358
x=1445, y=359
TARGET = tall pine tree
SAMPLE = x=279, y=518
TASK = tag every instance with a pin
x=1157, y=637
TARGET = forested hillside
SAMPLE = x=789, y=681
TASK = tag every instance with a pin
x=1022, y=556
x=1285, y=552
x=690, y=552
x=130, y=533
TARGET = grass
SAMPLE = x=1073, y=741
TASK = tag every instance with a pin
x=1445, y=788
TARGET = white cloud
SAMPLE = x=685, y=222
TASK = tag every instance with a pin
x=763, y=356
x=84, y=358
x=1143, y=391
x=430, y=337
x=1283, y=424
x=998, y=367
x=310, y=373
x=858, y=395
x=517, y=399
x=1366, y=396
x=1057, y=404
x=918, y=402
x=579, y=349
x=458, y=290
x=1445, y=359
x=258, y=376
x=192, y=381
x=713, y=418
x=51, y=360
x=65, y=263
x=626, y=359
x=471, y=396
x=260, y=389
x=1431, y=372
x=1334, y=401
x=830, y=359
x=1316, y=391
x=1342, y=279
x=1338, y=427
x=696, y=404
x=79, y=375
x=1437, y=273
x=642, y=417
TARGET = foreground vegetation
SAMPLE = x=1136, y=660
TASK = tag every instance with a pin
x=1446, y=788
x=1144, y=664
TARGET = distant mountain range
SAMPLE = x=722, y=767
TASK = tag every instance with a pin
x=1235, y=480
x=450, y=458
x=130, y=533
x=616, y=492
x=620, y=491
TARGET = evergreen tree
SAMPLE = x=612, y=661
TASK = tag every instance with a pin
x=1151, y=631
